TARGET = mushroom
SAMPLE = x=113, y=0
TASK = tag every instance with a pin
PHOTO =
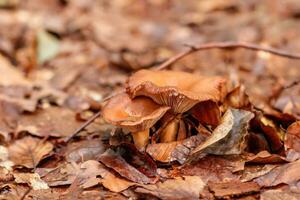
x=178, y=90
x=136, y=115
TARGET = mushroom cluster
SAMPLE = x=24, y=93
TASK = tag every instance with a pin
x=165, y=106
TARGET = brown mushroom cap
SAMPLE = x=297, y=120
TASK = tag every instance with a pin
x=179, y=90
x=135, y=114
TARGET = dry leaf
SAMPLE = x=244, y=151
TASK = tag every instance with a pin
x=229, y=136
x=186, y=187
x=53, y=121
x=84, y=150
x=279, y=194
x=114, y=161
x=29, y=151
x=292, y=138
x=32, y=179
x=287, y=173
x=233, y=189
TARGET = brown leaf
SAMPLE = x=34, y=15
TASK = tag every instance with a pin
x=207, y=113
x=292, y=138
x=114, y=161
x=287, y=173
x=84, y=150
x=186, y=187
x=237, y=98
x=92, y=168
x=32, y=179
x=161, y=151
x=64, y=174
x=213, y=168
x=229, y=136
x=178, y=90
x=182, y=151
x=265, y=157
x=273, y=133
x=53, y=121
x=133, y=114
x=280, y=194
x=29, y=151
x=233, y=189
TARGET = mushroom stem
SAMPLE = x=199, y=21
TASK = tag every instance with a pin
x=140, y=138
x=170, y=132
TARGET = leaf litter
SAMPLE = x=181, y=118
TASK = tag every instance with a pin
x=218, y=124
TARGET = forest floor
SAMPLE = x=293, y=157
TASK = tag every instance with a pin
x=63, y=61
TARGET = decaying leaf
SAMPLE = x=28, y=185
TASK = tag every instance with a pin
x=179, y=90
x=229, y=136
x=93, y=168
x=54, y=121
x=114, y=161
x=273, y=133
x=287, y=173
x=186, y=187
x=292, y=138
x=280, y=194
x=162, y=151
x=135, y=115
x=32, y=179
x=84, y=150
x=233, y=189
x=29, y=151
x=207, y=113
x=182, y=151
x=64, y=174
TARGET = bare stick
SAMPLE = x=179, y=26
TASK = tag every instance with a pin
x=227, y=45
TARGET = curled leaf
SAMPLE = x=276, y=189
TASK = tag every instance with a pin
x=29, y=151
x=179, y=90
x=229, y=136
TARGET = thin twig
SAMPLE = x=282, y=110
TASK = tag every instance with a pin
x=227, y=45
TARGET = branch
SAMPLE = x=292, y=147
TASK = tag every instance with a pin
x=227, y=45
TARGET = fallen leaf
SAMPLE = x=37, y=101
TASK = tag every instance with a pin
x=64, y=174
x=53, y=121
x=265, y=157
x=92, y=168
x=29, y=151
x=207, y=113
x=162, y=151
x=32, y=179
x=186, y=187
x=287, y=173
x=114, y=161
x=279, y=194
x=228, y=137
x=182, y=151
x=233, y=189
x=84, y=150
x=292, y=137
x=254, y=171
x=213, y=168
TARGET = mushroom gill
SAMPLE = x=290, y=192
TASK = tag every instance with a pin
x=178, y=90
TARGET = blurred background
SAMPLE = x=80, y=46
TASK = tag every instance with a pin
x=87, y=48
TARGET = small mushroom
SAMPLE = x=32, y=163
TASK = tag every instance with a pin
x=136, y=115
x=178, y=90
